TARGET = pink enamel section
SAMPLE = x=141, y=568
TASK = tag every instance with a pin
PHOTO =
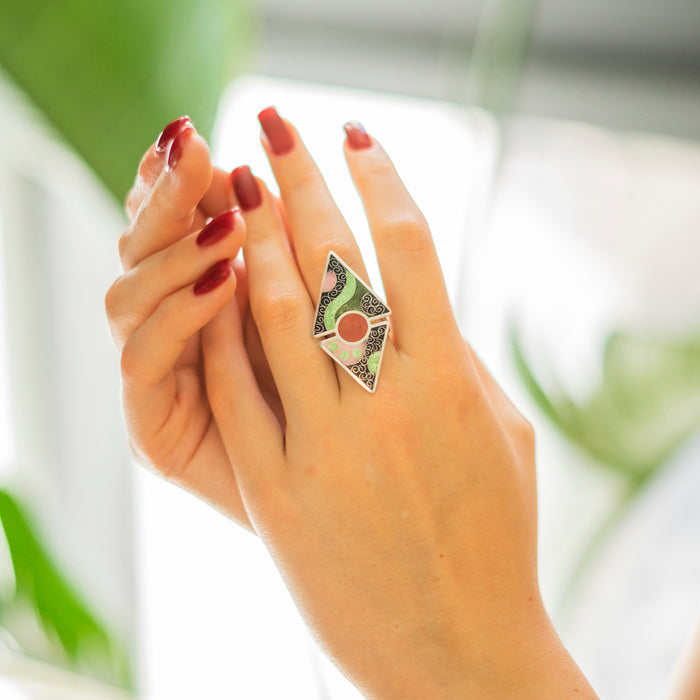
x=329, y=281
x=349, y=360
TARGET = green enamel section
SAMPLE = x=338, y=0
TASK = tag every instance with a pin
x=344, y=296
x=357, y=353
x=354, y=303
x=344, y=355
x=373, y=362
x=333, y=346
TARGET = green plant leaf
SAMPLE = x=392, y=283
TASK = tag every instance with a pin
x=109, y=74
x=500, y=53
x=647, y=405
x=60, y=609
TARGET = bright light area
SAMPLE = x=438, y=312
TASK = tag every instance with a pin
x=7, y=442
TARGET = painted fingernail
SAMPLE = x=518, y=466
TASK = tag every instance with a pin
x=246, y=188
x=276, y=130
x=170, y=132
x=358, y=138
x=177, y=147
x=217, y=274
x=219, y=227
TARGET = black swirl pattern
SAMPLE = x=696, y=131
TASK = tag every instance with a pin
x=374, y=343
x=373, y=306
x=341, y=275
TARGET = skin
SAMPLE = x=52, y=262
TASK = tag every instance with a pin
x=404, y=522
x=686, y=681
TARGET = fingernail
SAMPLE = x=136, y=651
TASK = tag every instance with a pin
x=212, y=278
x=170, y=132
x=358, y=138
x=276, y=130
x=246, y=188
x=219, y=227
x=177, y=147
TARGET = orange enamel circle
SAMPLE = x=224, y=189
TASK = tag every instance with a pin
x=352, y=327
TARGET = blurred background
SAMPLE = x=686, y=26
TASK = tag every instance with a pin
x=555, y=149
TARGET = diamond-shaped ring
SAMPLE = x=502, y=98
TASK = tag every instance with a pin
x=352, y=322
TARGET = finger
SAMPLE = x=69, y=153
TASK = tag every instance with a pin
x=249, y=430
x=315, y=223
x=168, y=212
x=208, y=474
x=413, y=281
x=241, y=286
x=280, y=303
x=152, y=164
x=219, y=197
x=150, y=353
x=137, y=293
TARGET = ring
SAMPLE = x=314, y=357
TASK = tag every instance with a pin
x=352, y=320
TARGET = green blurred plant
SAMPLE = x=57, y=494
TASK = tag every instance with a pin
x=646, y=406
x=63, y=615
x=500, y=53
x=109, y=74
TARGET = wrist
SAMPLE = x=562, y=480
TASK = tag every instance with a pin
x=530, y=664
x=525, y=659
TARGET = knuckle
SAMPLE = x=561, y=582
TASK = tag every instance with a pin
x=170, y=317
x=281, y=309
x=338, y=244
x=170, y=262
x=406, y=234
x=113, y=299
x=306, y=176
x=373, y=170
x=131, y=203
x=128, y=361
x=123, y=246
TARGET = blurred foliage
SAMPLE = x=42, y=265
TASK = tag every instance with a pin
x=110, y=74
x=500, y=53
x=63, y=615
x=646, y=406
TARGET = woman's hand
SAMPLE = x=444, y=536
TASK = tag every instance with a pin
x=178, y=274
x=404, y=522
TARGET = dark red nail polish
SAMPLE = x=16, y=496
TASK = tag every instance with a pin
x=217, y=274
x=219, y=227
x=170, y=132
x=358, y=138
x=246, y=188
x=276, y=130
x=177, y=147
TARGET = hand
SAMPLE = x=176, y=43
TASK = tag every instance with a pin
x=172, y=286
x=403, y=522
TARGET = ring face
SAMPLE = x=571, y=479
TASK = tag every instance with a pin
x=352, y=320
